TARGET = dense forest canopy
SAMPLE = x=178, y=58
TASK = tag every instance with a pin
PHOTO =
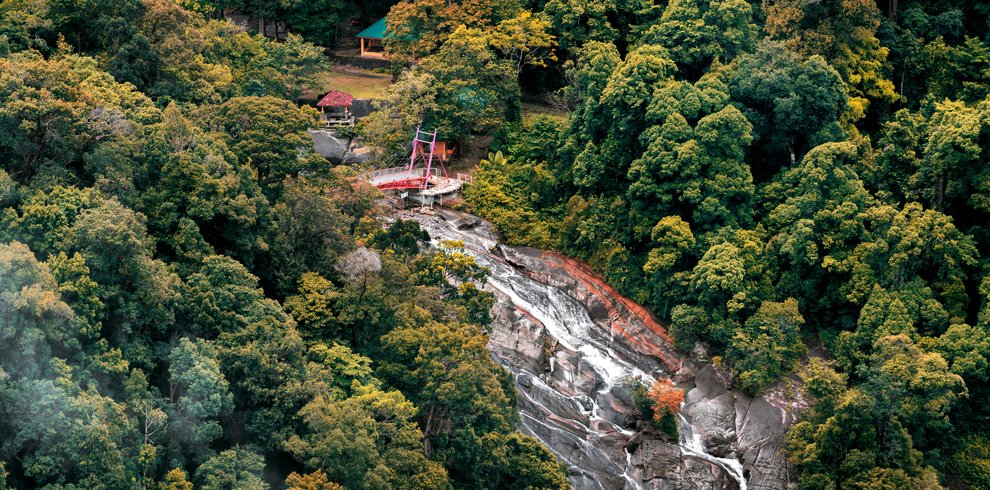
x=190, y=296
x=798, y=185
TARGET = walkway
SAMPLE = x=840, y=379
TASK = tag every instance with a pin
x=403, y=178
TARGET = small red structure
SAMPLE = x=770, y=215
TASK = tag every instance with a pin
x=335, y=108
x=446, y=150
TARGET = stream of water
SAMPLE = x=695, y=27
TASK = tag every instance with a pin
x=575, y=426
x=690, y=441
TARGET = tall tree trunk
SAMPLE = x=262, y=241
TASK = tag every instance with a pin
x=426, y=431
x=940, y=201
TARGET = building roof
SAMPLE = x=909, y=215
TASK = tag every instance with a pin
x=374, y=31
x=335, y=98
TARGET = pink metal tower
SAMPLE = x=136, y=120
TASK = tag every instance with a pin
x=420, y=140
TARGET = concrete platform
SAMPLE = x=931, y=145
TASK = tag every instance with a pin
x=440, y=186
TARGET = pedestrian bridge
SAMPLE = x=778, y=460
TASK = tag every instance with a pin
x=423, y=184
x=419, y=180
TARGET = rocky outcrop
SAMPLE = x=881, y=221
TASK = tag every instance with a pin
x=738, y=426
x=732, y=425
x=660, y=465
x=335, y=148
x=574, y=345
x=617, y=317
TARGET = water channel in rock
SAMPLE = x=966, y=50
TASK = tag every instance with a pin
x=574, y=346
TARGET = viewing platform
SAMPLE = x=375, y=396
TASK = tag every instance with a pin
x=419, y=181
x=418, y=185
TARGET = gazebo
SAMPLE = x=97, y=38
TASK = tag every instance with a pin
x=335, y=108
x=371, y=40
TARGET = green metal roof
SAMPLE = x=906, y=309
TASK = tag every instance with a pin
x=375, y=31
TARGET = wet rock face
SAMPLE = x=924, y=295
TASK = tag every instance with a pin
x=517, y=341
x=573, y=344
x=660, y=465
x=712, y=408
x=738, y=426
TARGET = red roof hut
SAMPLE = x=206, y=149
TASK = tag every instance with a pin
x=335, y=108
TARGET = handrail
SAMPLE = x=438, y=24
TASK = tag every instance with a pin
x=421, y=172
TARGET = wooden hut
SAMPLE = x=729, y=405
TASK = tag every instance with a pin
x=335, y=108
x=445, y=150
x=372, y=45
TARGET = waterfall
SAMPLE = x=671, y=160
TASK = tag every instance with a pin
x=543, y=406
x=690, y=442
x=576, y=404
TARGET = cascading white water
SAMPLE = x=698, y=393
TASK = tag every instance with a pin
x=564, y=319
x=690, y=441
x=569, y=323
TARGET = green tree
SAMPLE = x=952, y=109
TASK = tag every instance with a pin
x=697, y=172
x=445, y=369
x=400, y=110
x=138, y=290
x=511, y=460
x=523, y=40
x=727, y=185
x=366, y=441
x=33, y=318
x=40, y=115
x=264, y=363
x=402, y=237
x=627, y=94
x=967, y=350
x=450, y=267
x=313, y=20
x=494, y=197
x=589, y=75
x=313, y=307
x=813, y=225
x=915, y=386
x=728, y=283
x=269, y=133
x=198, y=197
x=73, y=436
x=768, y=345
x=309, y=233
x=949, y=174
x=418, y=28
x=222, y=296
x=475, y=89
x=179, y=39
x=668, y=261
x=236, y=468
x=845, y=34
x=316, y=480
x=336, y=371
x=46, y=217
x=793, y=102
x=972, y=460
x=576, y=23
x=176, y=479
x=900, y=149
x=696, y=33
x=199, y=393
